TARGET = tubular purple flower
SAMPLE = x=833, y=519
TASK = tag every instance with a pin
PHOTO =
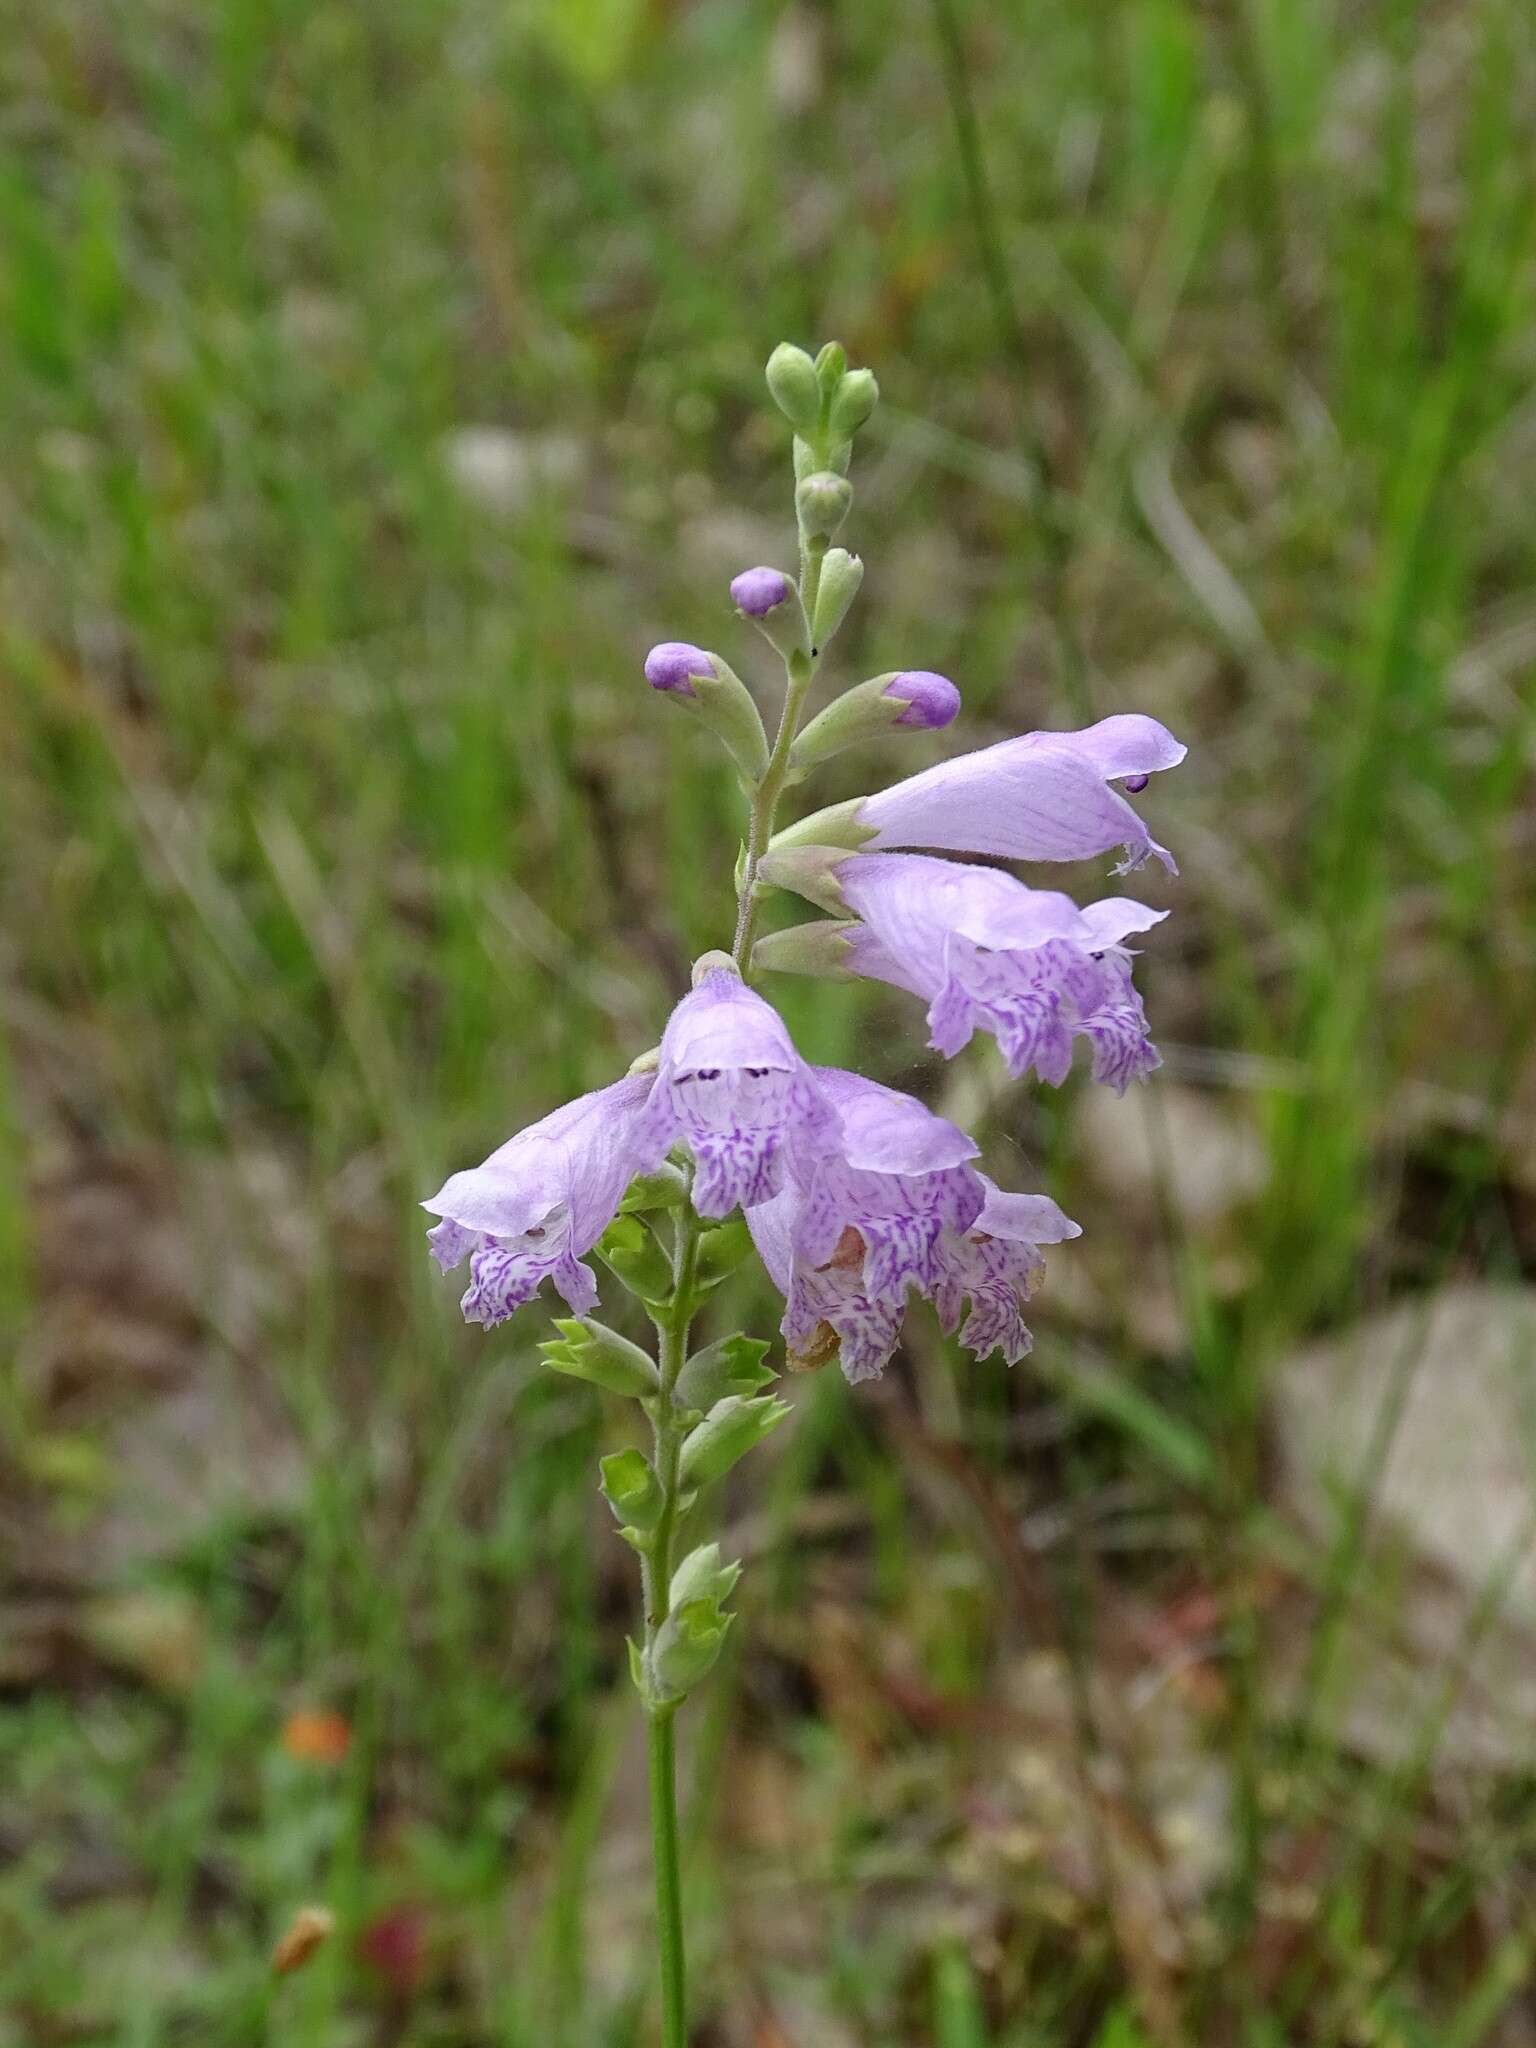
x=931, y=700
x=985, y=951
x=900, y=1207
x=758, y=591
x=677, y=665
x=1044, y=796
x=539, y=1204
x=731, y=1085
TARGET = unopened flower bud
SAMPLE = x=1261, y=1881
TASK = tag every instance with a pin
x=677, y=665
x=701, y=1576
x=711, y=689
x=822, y=503
x=831, y=362
x=930, y=700
x=911, y=698
x=757, y=591
x=792, y=381
x=588, y=1350
x=841, y=575
x=730, y=1429
x=772, y=603
x=853, y=401
x=631, y=1489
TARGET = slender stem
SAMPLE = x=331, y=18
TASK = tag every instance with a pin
x=799, y=671
x=672, y=1328
x=669, y=1885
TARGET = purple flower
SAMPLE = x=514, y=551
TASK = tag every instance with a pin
x=758, y=591
x=731, y=1085
x=539, y=1204
x=674, y=664
x=931, y=700
x=985, y=951
x=1044, y=796
x=899, y=1207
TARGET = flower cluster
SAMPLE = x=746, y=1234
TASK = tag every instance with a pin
x=856, y=1197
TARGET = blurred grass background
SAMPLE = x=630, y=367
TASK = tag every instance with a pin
x=378, y=383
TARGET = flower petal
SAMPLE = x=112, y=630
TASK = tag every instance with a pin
x=1044, y=796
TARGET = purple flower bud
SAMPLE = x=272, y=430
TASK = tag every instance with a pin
x=759, y=591
x=672, y=664
x=931, y=700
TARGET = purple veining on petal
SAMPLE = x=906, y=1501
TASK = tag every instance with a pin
x=987, y=953
x=983, y=1271
x=931, y=700
x=759, y=591
x=1043, y=796
x=730, y=1083
x=675, y=664
x=539, y=1203
x=900, y=1208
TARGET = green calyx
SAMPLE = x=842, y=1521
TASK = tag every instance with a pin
x=666, y=1188
x=810, y=871
x=686, y=1647
x=731, y=1428
x=837, y=825
x=820, y=948
x=631, y=1253
x=632, y=1490
x=701, y=1576
x=731, y=1365
x=588, y=1350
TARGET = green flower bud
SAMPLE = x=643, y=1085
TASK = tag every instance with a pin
x=632, y=1489
x=701, y=1576
x=730, y=1429
x=630, y=1252
x=819, y=947
x=794, y=386
x=841, y=575
x=588, y=1350
x=686, y=1646
x=666, y=1188
x=831, y=362
x=822, y=502
x=711, y=689
x=731, y=1365
x=853, y=401
x=913, y=700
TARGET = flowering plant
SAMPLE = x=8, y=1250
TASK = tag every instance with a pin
x=724, y=1138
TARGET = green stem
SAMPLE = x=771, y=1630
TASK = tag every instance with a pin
x=669, y=1885
x=672, y=1329
x=799, y=671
